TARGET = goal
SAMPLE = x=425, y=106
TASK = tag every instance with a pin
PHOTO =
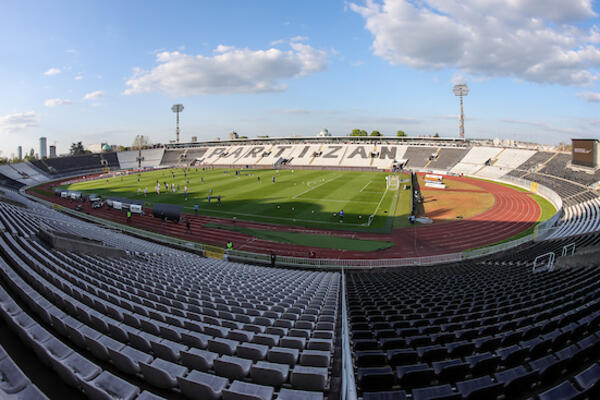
x=392, y=182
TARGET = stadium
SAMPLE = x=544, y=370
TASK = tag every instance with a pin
x=459, y=269
x=360, y=200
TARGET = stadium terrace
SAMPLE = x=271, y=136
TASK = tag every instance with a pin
x=303, y=268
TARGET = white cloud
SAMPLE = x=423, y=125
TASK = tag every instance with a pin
x=57, y=102
x=276, y=42
x=18, y=121
x=98, y=94
x=78, y=77
x=299, y=39
x=532, y=40
x=52, y=71
x=592, y=97
x=229, y=70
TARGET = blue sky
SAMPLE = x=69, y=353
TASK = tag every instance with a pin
x=106, y=71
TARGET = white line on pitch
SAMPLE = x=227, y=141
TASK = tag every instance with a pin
x=313, y=188
x=364, y=187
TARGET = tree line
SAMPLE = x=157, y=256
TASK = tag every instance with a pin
x=362, y=132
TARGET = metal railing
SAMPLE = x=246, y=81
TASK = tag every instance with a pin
x=544, y=262
x=570, y=248
x=348, y=382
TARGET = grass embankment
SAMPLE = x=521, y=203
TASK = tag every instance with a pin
x=307, y=239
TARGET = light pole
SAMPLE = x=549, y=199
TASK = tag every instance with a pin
x=177, y=108
x=460, y=91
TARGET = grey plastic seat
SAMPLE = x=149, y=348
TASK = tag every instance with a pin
x=291, y=394
x=168, y=349
x=99, y=347
x=309, y=378
x=52, y=348
x=199, y=386
x=222, y=346
x=232, y=367
x=266, y=373
x=78, y=334
x=247, y=391
x=266, y=339
x=127, y=359
x=195, y=339
x=12, y=379
x=315, y=358
x=252, y=351
x=293, y=342
x=283, y=356
x=320, y=344
x=146, y=395
x=106, y=386
x=161, y=373
x=75, y=368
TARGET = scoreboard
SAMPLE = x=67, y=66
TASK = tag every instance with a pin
x=585, y=152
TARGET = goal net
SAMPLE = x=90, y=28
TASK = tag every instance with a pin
x=393, y=182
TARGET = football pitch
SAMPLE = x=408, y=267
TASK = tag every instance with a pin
x=308, y=198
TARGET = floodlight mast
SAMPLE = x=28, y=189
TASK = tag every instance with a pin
x=460, y=91
x=177, y=108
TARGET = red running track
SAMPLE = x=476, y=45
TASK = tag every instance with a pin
x=512, y=213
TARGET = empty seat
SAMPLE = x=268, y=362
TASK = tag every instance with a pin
x=315, y=358
x=266, y=373
x=375, y=379
x=247, y=391
x=291, y=394
x=442, y=392
x=127, y=359
x=12, y=379
x=414, y=376
x=516, y=380
x=589, y=380
x=309, y=378
x=201, y=360
x=106, y=386
x=564, y=391
x=479, y=388
x=252, y=351
x=199, y=385
x=283, y=356
x=232, y=367
x=161, y=373
x=75, y=368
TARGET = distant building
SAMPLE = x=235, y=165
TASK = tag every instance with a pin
x=20, y=152
x=43, y=147
x=324, y=132
x=233, y=135
x=52, y=151
x=194, y=139
x=99, y=147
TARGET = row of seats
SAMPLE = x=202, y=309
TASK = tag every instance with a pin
x=475, y=331
x=181, y=343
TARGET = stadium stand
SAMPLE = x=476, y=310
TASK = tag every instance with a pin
x=87, y=163
x=164, y=323
x=152, y=158
x=185, y=324
x=580, y=218
x=418, y=157
x=475, y=160
x=172, y=157
x=559, y=166
x=446, y=158
x=504, y=162
x=473, y=330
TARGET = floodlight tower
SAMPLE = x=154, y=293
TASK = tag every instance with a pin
x=460, y=91
x=177, y=108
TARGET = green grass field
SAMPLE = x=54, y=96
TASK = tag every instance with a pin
x=307, y=198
